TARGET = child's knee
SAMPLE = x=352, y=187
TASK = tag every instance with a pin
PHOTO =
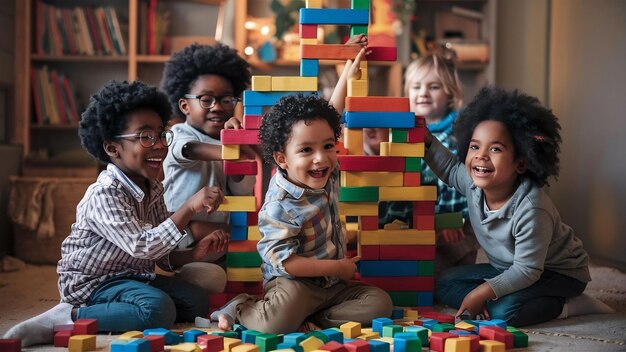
x=158, y=313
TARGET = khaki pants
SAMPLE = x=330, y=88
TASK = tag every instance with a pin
x=288, y=303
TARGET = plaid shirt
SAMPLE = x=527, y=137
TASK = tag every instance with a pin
x=119, y=232
x=295, y=220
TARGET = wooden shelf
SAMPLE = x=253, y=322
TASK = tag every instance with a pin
x=77, y=58
x=69, y=127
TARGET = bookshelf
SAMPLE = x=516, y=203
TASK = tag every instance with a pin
x=88, y=70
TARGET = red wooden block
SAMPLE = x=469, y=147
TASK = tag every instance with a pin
x=245, y=167
x=253, y=217
x=86, y=327
x=496, y=333
x=251, y=122
x=438, y=340
x=333, y=346
x=425, y=207
x=230, y=137
x=253, y=288
x=369, y=223
x=64, y=327
x=218, y=299
x=371, y=163
x=411, y=179
x=387, y=104
x=439, y=317
x=308, y=31
x=157, y=342
x=213, y=343
x=418, y=322
x=329, y=51
x=62, y=338
x=407, y=252
x=412, y=283
x=474, y=342
x=10, y=345
x=357, y=346
x=416, y=134
x=382, y=53
x=370, y=252
x=424, y=222
x=242, y=246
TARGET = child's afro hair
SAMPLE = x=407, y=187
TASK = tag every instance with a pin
x=186, y=65
x=534, y=129
x=277, y=123
x=106, y=115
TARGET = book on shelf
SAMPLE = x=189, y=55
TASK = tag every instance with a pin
x=54, y=101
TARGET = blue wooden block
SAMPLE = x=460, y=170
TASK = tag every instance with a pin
x=424, y=299
x=252, y=110
x=192, y=335
x=397, y=313
x=239, y=218
x=334, y=334
x=238, y=233
x=118, y=345
x=249, y=336
x=499, y=322
x=378, y=323
x=379, y=346
x=334, y=16
x=406, y=342
x=460, y=332
x=309, y=67
x=420, y=331
x=388, y=267
x=288, y=345
x=170, y=337
x=428, y=323
x=294, y=338
x=379, y=119
x=137, y=345
x=253, y=98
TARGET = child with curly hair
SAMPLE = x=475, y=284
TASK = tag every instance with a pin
x=204, y=84
x=306, y=274
x=508, y=149
x=122, y=228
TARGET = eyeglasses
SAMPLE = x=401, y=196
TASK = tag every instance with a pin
x=148, y=138
x=209, y=101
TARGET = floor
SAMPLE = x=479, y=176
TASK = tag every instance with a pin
x=32, y=290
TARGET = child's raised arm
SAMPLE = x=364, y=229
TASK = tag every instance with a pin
x=350, y=71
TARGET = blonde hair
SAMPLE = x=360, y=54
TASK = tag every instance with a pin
x=444, y=69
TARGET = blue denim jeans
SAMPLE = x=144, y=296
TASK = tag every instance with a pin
x=541, y=301
x=127, y=304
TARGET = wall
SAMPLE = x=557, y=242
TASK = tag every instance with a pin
x=586, y=89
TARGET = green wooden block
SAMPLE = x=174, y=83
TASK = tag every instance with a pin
x=443, y=327
x=519, y=338
x=391, y=330
x=232, y=334
x=268, y=342
x=449, y=221
x=358, y=194
x=243, y=260
x=413, y=164
x=319, y=335
x=399, y=135
x=360, y=4
x=357, y=29
x=403, y=298
x=425, y=268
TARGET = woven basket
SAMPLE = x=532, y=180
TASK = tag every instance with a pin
x=66, y=195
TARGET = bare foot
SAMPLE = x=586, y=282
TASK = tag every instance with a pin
x=226, y=315
x=225, y=322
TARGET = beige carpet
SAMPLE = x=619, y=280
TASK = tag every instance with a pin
x=32, y=290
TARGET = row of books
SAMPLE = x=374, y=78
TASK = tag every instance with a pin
x=154, y=21
x=54, y=98
x=82, y=30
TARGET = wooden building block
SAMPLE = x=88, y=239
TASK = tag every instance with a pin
x=241, y=136
x=246, y=347
x=334, y=16
x=252, y=109
x=192, y=335
x=211, y=343
x=370, y=252
x=262, y=83
x=360, y=4
x=80, y=343
x=406, y=252
x=416, y=134
x=371, y=163
x=333, y=346
x=359, y=194
x=398, y=237
x=242, y=246
x=230, y=152
x=252, y=98
x=408, y=193
x=496, y=333
x=238, y=203
x=294, y=83
x=413, y=283
x=308, y=41
x=11, y=345
x=412, y=179
x=358, y=345
x=131, y=335
x=61, y=339
x=449, y=221
x=415, y=150
x=329, y=51
x=491, y=346
x=358, y=208
x=382, y=53
x=380, y=119
x=243, y=259
x=398, y=135
x=243, y=167
x=253, y=233
x=309, y=67
x=251, y=122
x=381, y=104
x=314, y=4
x=406, y=342
x=350, y=329
x=357, y=88
x=238, y=233
x=311, y=344
x=456, y=344
x=157, y=343
x=424, y=207
x=254, y=288
x=423, y=222
x=357, y=29
x=371, y=178
x=244, y=274
x=308, y=31
x=230, y=343
x=413, y=164
x=438, y=341
x=353, y=140
x=368, y=222
x=85, y=327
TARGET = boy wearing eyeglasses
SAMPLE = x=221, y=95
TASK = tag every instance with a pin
x=122, y=228
x=204, y=84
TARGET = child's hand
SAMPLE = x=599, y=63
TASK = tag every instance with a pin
x=207, y=199
x=216, y=241
x=232, y=124
x=359, y=39
x=450, y=235
x=475, y=302
x=354, y=69
x=346, y=268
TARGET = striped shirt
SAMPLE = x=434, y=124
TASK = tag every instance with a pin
x=305, y=222
x=119, y=232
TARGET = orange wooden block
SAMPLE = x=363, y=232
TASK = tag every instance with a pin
x=411, y=179
x=389, y=104
x=329, y=51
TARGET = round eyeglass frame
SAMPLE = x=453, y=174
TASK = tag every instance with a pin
x=215, y=100
x=148, y=140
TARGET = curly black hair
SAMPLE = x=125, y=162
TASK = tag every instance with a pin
x=276, y=124
x=185, y=66
x=107, y=113
x=534, y=129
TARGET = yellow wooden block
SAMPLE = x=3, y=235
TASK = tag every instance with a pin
x=314, y=4
x=368, y=336
x=462, y=325
x=244, y=274
x=238, y=203
x=294, y=83
x=311, y=344
x=230, y=343
x=357, y=87
x=491, y=346
x=262, y=83
x=350, y=329
x=408, y=236
x=80, y=343
x=246, y=347
x=230, y=152
x=407, y=193
x=131, y=335
x=353, y=140
x=415, y=150
x=388, y=340
x=371, y=178
x=410, y=313
x=358, y=208
x=253, y=233
x=456, y=344
x=308, y=41
x=185, y=347
x=363, y=68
